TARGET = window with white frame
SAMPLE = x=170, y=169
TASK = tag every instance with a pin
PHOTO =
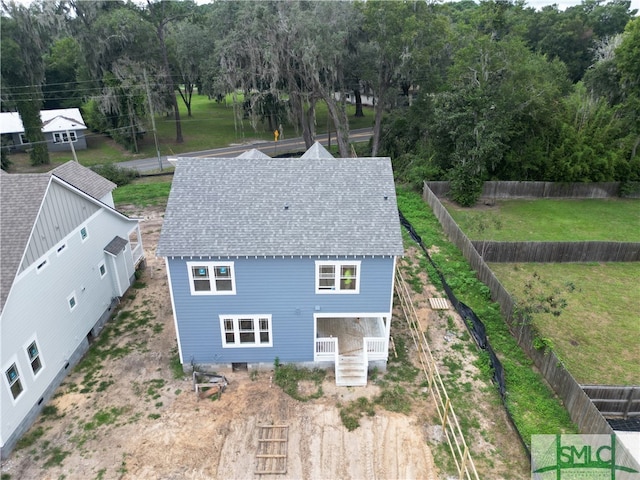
x=71, y=300
x=337, y=277
x=61, y=249
x=15, y=384
x=102, y=268
x=246, y=330
x=23, y=139
x=211, y=278
x=62, y=137
x=84, y=234
x=34, y=357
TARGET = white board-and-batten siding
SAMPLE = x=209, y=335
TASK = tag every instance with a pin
x=62, y=211
x=281, y=287
x=38, y=308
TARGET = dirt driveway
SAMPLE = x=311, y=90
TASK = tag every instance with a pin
x=123, y=414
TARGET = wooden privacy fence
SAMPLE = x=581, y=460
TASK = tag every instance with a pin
x=495, y=190
x=556, y=252
x=581, y=409
x=615, y=400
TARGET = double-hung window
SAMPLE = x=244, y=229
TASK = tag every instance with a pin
x=338, y=277
x=34, y=357
x=246, y=330
x=13, y=377
x=211, y=278
x=62, y=137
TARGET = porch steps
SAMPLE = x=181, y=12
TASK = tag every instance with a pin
x=351, y=371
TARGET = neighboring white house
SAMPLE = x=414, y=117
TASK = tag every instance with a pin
x=66, y=256
x=60, y=127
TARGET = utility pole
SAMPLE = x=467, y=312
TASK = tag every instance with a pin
x=153, y=118
x=73, y=150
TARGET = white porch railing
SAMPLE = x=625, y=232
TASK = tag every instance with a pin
x=136, y=253
x=326, y=349
x=375, y=348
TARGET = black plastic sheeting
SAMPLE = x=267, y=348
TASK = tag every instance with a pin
x=628, y=425
x=474, y=325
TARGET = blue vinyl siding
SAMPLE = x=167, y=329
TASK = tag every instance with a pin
x=284, y=288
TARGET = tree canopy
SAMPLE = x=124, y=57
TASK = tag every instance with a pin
x=462, y=91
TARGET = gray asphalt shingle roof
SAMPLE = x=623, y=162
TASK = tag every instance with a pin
x=312, y=206
x=20, y=197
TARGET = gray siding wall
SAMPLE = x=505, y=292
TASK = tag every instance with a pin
x=283, y=288
x=79, y=144
x=62, y=211
x=37, y=308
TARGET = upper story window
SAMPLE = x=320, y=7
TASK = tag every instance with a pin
x=84, y=234
x=211, y=278
x=337, y=277
x=13, y=377
x=34, y=357
x=62, y=137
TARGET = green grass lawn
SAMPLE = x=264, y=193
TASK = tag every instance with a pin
x=211, y=125
x=552, y=220
x=596, y=335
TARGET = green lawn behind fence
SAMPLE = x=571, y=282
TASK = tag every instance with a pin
x=596, y=334
x=545, y=220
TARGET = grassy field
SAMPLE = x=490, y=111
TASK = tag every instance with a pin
x=596, y=334
x=552, y=220
x=211, y=125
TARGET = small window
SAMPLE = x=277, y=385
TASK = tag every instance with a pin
x=83, y=233
x=41, y=265
x=72, y=301
x=13, y=377
x=337, y=277
x=103, y=269
x=211, y=278
x=246, y=331
x=61, y=248
x=24, y=140
x=34, y=357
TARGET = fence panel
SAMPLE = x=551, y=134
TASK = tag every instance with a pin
x=557, y=252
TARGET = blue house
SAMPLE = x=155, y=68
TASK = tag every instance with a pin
x=291, y=258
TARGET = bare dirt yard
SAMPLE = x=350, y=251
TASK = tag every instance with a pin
x=123, y=414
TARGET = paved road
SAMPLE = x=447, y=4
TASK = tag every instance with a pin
x=269, y=148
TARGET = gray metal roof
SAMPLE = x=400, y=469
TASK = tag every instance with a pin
x=20, y=198
x=311, y=207
x=115, y=246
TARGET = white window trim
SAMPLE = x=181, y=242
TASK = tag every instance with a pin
x=211, y=266
x=41, y=265
x=13, y=361
x=58, y=137
x=25, y=349
x=338, y=264
x=236, y=330
x=60, y=249
x=84, y=227
x=73, y=295
x=102, y=264
x=23, y=139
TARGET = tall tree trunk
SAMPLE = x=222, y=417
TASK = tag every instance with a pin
x=338, y=113
x=358, y=95
x=297, y=108
x=170, y=85
x=29, y=111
